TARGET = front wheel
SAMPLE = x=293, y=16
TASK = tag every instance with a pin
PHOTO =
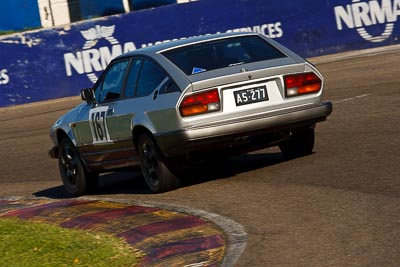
x=76, y=179
x=156, y=174
x=301, y=143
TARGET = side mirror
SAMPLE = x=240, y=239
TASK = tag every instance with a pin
x=87, y=95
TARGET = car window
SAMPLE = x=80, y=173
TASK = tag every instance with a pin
x=132, y=81
x=113, y=81
x=170, y=87
x=223, y=53
x=149, y=79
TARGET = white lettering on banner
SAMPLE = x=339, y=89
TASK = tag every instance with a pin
x=272, y=30
x=365, y=14
x=87, y=61
x=4, y=78
x=91, y=60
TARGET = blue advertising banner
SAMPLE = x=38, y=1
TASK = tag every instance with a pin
x=58, y=62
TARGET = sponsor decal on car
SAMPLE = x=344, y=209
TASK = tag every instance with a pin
x=368, y=16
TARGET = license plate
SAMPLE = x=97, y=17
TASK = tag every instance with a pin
x=251, y=95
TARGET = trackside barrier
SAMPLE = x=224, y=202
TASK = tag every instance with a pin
x=58, y=62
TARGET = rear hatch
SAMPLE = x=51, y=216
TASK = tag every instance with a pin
x=251, y=88
x=246, y=72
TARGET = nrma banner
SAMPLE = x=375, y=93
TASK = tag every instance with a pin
x=374, y=20
x=58, y=62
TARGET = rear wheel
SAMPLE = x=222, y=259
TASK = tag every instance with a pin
x=301, y=143
x=76, y=179
x=157, y=175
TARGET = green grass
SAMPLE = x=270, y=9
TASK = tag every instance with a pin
x=24, y=243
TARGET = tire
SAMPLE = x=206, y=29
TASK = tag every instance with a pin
x=157, y=175
x=76, y=179
x=300, y=144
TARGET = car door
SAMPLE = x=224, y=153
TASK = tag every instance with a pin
x=146, y=82
x=121, y=98
x=108, y=129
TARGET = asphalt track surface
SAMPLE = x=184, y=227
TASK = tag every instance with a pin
x=339, y=206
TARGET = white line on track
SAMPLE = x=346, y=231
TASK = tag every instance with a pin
x=351, y=98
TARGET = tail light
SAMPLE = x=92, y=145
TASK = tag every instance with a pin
x=200, y=103
x=301, y=84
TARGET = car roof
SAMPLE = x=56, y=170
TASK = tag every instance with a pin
x=158, y=48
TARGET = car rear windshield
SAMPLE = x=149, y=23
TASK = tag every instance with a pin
x=222, y=53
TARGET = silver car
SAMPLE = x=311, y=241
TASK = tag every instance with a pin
x=172, y=105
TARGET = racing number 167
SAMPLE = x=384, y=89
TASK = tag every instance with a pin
x=99, y=126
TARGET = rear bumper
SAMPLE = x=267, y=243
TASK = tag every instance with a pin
x=208, y=136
